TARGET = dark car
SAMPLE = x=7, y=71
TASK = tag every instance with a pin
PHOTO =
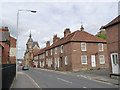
x=25, y=67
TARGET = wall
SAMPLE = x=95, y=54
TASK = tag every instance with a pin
x=92, y=48
x=112, y=42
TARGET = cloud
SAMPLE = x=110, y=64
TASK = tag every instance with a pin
x=53, y=17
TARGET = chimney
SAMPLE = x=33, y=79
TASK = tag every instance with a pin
x=82, y=28
x=67, y=32
x=55, y=38
x=47, y=43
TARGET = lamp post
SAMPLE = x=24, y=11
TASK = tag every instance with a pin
x=17, y=33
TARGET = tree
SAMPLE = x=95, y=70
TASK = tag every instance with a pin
x=102, y=35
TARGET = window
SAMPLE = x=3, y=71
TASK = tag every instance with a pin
x=102, y=59
x=100, y=46
x=61, y=48
x=51, y=51
x=83, y=47
x=43, y=55
x=47, y=61
x=84, y=59
x=66, y=60
x=55, y=50
x=51, y=60
x=46, y=53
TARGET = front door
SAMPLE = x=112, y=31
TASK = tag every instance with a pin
x=115, y=63
x=93, y=61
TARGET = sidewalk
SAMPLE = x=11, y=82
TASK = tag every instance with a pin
x=101, y=75
x=23, y=81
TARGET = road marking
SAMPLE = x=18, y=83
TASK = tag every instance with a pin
x=84, y=87
x=33, y=81
x=64, y=80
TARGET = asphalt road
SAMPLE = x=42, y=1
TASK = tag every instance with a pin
x=50, y=79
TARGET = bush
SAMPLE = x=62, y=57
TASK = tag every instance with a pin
x=98, y=68
x=91, y=68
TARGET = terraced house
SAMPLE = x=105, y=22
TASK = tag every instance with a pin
x=76, y=51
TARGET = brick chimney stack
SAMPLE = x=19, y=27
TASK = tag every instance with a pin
x=67, y=32
x=55, y=38
x=82, y=28
x=47, y=43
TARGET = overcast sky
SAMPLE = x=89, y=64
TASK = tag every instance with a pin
x=53, y=17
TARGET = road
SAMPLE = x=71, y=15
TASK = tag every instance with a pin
x=53, y=79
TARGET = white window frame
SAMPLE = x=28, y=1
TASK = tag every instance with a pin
x=46, y=53
x=61, y=48
x=102, y=47
x=103, y=61
x=82, y=46
x=55, y=50
x=66, y=60
x=82, y=58
x=51, y=51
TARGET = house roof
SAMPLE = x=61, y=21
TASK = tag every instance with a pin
x=114, y=21
x=78, y=36
x=34, y=43
x=4, y=36
x=36, y=52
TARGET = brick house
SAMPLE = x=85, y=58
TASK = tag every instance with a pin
x=5, y=42
x=76, y=51
x=113, y=44
x=12, y=50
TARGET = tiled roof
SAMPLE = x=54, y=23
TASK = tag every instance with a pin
x=78, y=36
x=34, y=43
x=117, y=19
x=39, y=51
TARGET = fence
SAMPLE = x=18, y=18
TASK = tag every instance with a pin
x=8, y=74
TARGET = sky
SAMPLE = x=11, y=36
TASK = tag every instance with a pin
x=53, y=17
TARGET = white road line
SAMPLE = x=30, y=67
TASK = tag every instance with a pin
x=64, y=80
x=84, y=87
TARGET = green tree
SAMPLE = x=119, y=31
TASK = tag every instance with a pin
x=102, y=35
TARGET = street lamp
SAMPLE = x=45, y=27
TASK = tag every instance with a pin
x=17, y=33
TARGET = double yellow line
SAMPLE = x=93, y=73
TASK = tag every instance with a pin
x=33, y=81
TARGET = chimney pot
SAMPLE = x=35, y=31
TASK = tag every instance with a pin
x=67, y=32
x=82, y=28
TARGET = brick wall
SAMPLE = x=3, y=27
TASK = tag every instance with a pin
x=112, y=42
x=92, y=49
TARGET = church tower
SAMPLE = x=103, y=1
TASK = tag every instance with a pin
x=29, y=42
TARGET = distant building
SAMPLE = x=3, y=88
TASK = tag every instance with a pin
x=8, y=44
x=5, y=42
x=101, y=31
x=113, y=44
x=75, y=51
x=32, y=46
x=12, y=50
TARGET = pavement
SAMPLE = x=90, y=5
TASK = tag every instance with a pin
x=44, y=78
x=23, y=81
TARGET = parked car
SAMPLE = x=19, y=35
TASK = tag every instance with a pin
x=25, y=67
x=20, y=64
